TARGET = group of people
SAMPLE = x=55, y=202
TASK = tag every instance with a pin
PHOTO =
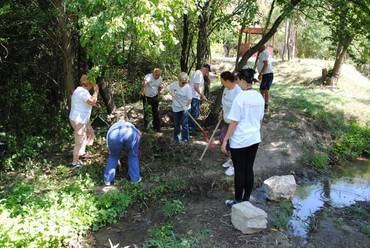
x=243, y=110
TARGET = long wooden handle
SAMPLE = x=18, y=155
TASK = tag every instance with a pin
x=210, y=140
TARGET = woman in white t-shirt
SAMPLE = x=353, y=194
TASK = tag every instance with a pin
x=231, y=90
x=182, y=94
x=81, y=105
x=244, y=135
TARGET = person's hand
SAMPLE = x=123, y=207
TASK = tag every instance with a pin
x=141, y=92
x=96, y=88
x=259, y=76
x=204, y=98
x=223, y=148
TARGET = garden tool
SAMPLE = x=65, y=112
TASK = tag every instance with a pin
x=205, y=135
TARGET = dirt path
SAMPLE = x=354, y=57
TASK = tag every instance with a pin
x=286, y=134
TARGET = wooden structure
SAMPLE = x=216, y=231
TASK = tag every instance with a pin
x=244, y=47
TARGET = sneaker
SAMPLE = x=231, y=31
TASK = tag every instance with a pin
x=106, y=183
x=77, y=165
x=228, y=163
x=138, y=181
x=229, y=203
x=230, y=171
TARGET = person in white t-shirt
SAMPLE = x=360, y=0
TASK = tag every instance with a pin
x=244, y=135
x=181, y=98
x=151, y=88
x=230, y=92
x=81, y=106
x=266, y=75
x=197, y=84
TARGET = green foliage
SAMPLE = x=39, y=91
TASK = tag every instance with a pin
x=173, y=208
x=320, y=161
x=283, y=215
x=365, y=229
x=352, y=143
x=163, y=236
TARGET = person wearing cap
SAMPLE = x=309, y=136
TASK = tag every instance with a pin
x=266, y=75
x=244, y=135
x=231, y=90
x=151, y=88
x=181, y=99
x=79, y=116
x=122, y=135
x=197, y=85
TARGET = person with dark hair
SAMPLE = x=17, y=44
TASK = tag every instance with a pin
x=244, y=135
x=231, y=90
x=151, y=88
x=197, y=84
x=266, y=75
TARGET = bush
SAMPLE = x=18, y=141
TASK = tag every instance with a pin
x=352, y=143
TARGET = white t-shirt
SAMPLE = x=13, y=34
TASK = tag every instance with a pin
x=197, y=78
x=80, y=109
x=228, y=97
x=265, y=55
x=183, y=96
x=151, y=88
x=247, y=109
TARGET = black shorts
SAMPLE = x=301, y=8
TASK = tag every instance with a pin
x=266, y=81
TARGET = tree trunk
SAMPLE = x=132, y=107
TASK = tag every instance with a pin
x=285, y=47
x=202, y=43
x=185, y=44
x=269, y=34
x=289, y=43
x=215, y=109
x=339, y=57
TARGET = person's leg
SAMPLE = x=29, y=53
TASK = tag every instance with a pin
x=156, y=121
x=237, y=156
x=194, y=111
x=185, y=126
x=79, y=133
x=115, y=147
x=90, y=134
x=133, y=157
x=249, y=158
x=176, y=124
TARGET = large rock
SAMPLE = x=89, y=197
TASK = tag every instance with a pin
x=248, y=218
x=280, y=187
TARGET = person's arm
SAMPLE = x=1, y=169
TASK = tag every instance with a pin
x=264, y=67
x=94, y=98
x=230, y=131
x=196, y=88
x=143, y=85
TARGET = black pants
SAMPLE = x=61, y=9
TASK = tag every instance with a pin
x=154, y=103
x=243, y=160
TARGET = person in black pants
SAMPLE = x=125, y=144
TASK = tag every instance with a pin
x=244, y=135
x=150, y=91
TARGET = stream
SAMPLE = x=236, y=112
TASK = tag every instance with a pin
x=344, y=189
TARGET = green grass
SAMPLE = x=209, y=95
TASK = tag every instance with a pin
x=332, y=113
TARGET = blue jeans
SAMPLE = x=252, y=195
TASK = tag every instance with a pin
x=180, y=121
x=195, y=112
x=123, y=135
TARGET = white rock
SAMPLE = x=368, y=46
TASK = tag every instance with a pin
x=248, y=218
x=280, y=187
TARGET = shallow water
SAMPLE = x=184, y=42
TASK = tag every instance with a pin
x=346, y=188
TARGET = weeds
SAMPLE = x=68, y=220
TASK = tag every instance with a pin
x=163, y=236
x=173, y=208
x=283, y=215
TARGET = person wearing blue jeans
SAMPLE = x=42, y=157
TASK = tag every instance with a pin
x=180, y=119
x=197, y=85
x=123, y=135
x=182, y=94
